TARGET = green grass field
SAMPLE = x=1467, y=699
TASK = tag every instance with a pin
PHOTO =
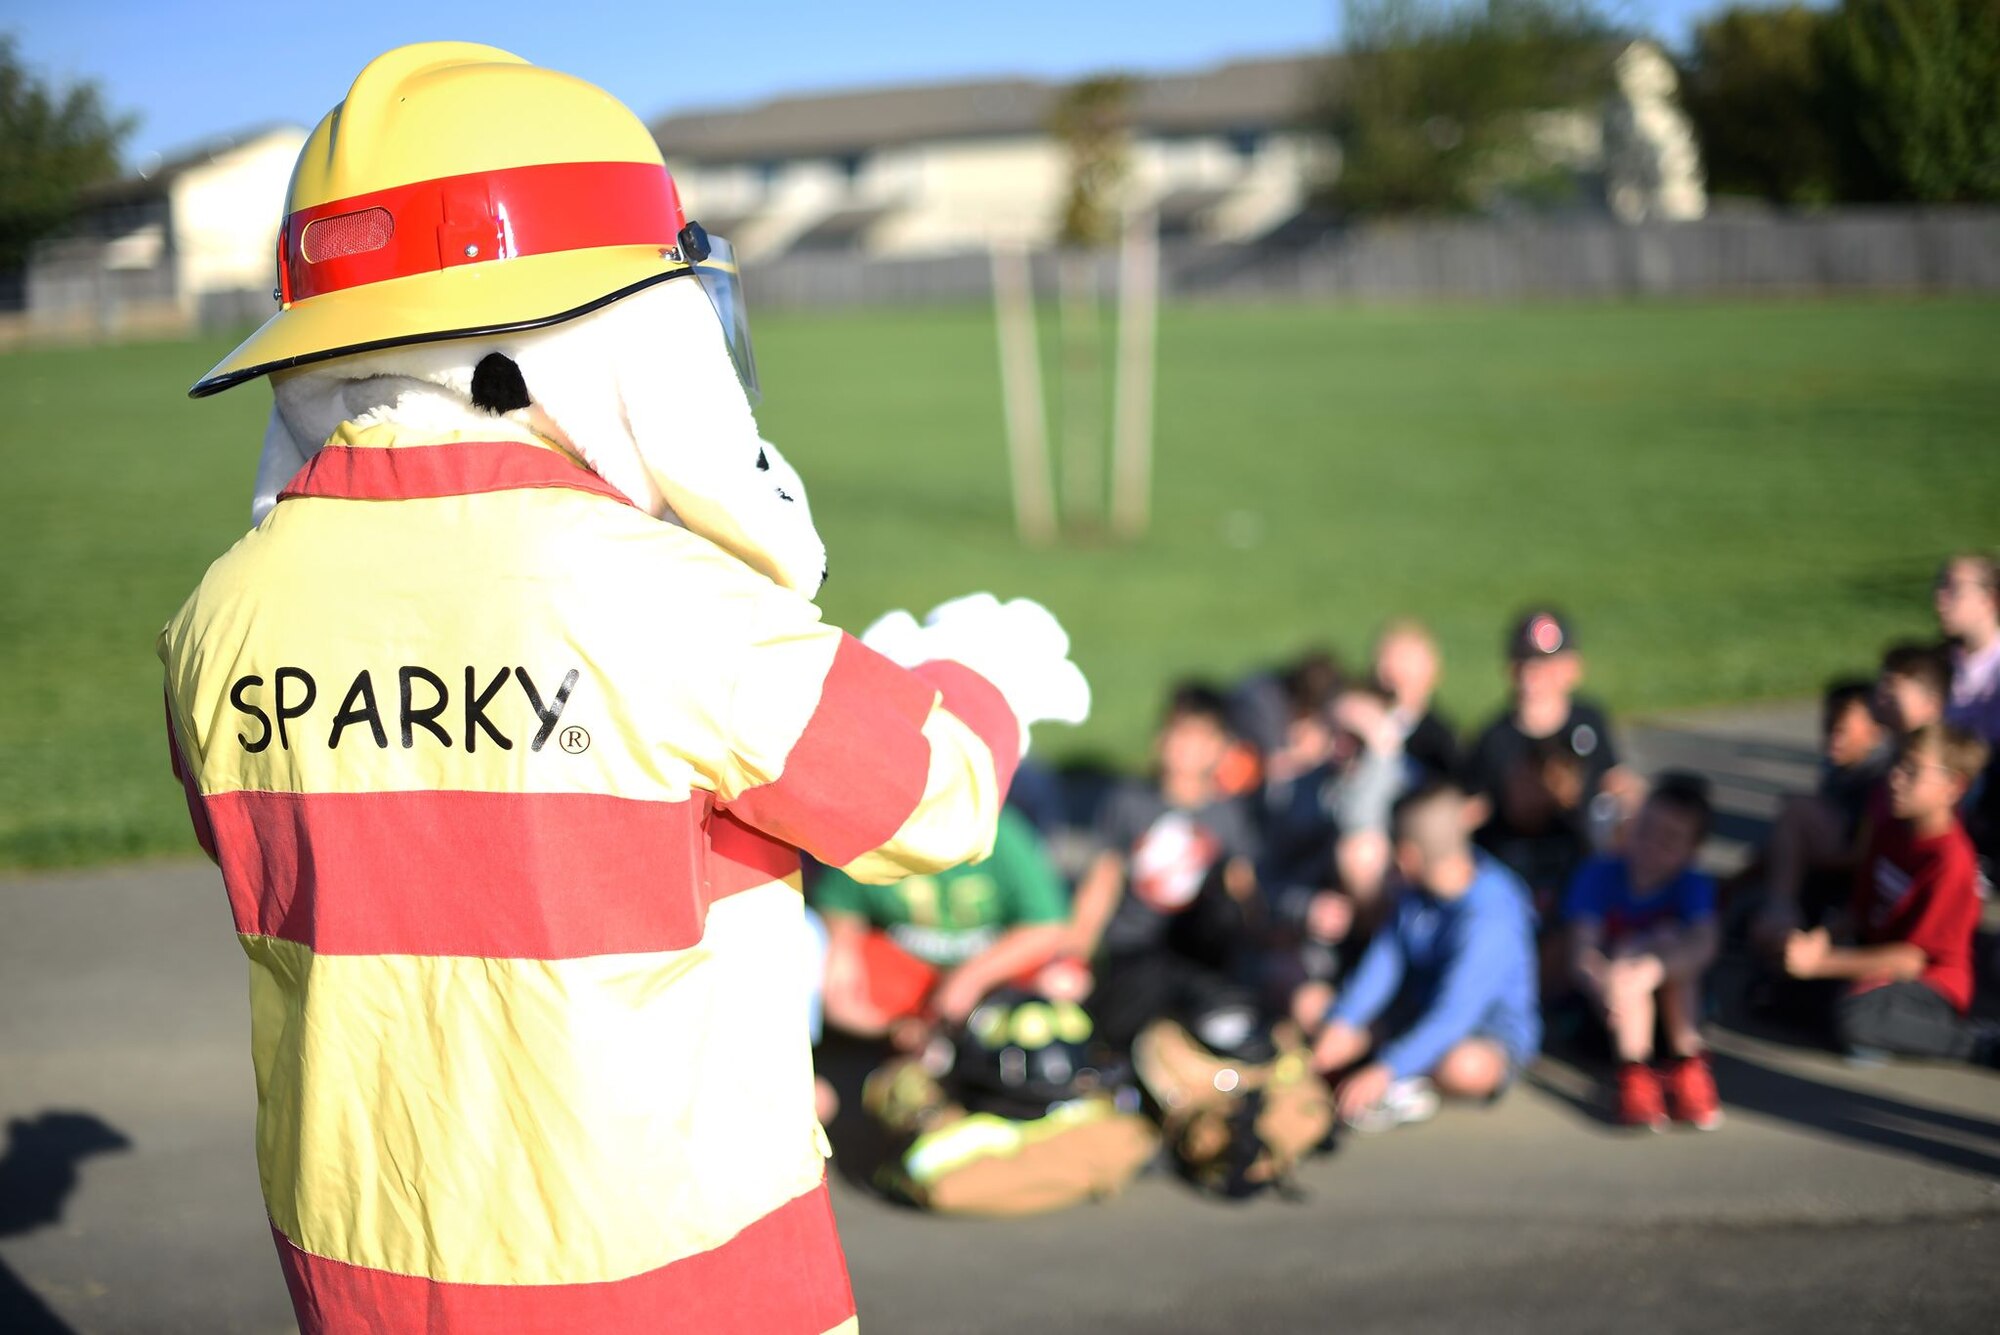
x=1733, y=501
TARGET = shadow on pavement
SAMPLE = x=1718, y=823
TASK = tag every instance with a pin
x=1931, y=1134
x=38, y=1171
x=22, y=1313
x=1871, y=1119
x=1571, y=1081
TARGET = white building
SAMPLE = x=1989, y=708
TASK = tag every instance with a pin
x=191, y=240
x=1652, y=163
x=1221, y=154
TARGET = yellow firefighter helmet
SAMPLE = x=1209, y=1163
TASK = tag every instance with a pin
x=460, y=191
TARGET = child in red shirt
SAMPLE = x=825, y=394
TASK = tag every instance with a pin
x=1915, y=909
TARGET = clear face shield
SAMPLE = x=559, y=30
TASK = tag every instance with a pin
x=714, y=261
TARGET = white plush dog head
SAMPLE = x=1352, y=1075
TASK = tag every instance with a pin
x=642, y=391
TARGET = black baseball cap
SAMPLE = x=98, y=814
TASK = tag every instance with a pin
x=1540, y=632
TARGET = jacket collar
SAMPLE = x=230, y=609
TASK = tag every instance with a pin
x=384, y=462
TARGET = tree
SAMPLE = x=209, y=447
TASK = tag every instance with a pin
x=1875, y=100
x=53, y=142
x=1091, y=119
x=1918, y=86
x=1433, y=103
x=1755, y=85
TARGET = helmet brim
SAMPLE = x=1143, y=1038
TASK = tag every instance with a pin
x=465, y=301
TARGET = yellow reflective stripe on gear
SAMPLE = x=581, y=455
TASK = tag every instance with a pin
x=530, y=1122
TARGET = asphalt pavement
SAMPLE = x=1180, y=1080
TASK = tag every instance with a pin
x=1834, y=1199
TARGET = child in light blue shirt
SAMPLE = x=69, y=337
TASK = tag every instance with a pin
x=1445, y=997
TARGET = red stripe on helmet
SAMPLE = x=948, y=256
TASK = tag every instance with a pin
x=482, y=216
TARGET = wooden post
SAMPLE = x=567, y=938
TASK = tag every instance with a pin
x=1021, y=395
x=1081, y=338
x=1132, y=405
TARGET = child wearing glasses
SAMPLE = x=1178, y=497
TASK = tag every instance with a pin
x=1899, y=973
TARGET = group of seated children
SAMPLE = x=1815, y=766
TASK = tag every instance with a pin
x=1871, y=885
x=1318, y=852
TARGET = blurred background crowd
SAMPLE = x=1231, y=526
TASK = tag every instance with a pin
x=1316, y=851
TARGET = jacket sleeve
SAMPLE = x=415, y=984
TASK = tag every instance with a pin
x=182, y=757
x=1472, y=979
x=879, y=770
x=1375, y=982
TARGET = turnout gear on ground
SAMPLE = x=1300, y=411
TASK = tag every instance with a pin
x=1027, y=1115
x=1235, y=1125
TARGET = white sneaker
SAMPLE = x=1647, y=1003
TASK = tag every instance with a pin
x=1403, y=1103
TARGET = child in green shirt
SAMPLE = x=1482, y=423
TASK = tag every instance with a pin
x=929, y=947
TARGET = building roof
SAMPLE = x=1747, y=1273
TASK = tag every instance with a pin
x=155, y=179
x=1240, y=95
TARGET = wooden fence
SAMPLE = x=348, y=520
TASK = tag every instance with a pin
x=1841, y=251
x=1943, y=250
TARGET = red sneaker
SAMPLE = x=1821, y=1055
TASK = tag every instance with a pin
x=1640, y=1101
x=1691, y=1093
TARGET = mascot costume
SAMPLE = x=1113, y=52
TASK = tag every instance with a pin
x=507, y=720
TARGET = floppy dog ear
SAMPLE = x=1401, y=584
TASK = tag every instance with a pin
x=644, y=392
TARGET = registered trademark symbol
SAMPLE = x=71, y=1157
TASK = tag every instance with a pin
x=574, y=740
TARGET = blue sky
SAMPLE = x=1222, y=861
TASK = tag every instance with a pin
x=195, y=69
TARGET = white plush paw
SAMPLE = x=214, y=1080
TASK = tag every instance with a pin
x=1017, y=645
x=897, y=637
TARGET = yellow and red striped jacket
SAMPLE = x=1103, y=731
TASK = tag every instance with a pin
x=505, y=779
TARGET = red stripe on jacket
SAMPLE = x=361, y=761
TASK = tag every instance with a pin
x=426, y=472
x=783, y=1275
x=869, y=721
x=495, y=875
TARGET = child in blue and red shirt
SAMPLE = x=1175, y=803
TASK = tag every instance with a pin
x=1642, y=934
